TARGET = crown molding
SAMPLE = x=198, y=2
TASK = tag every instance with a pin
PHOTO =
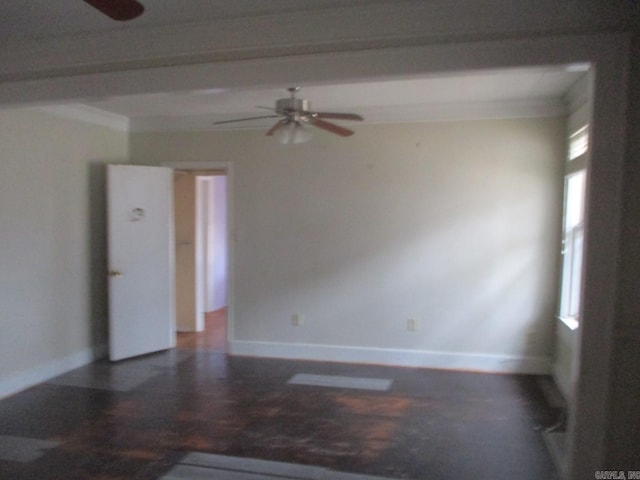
x=389, y=115
x=84, y=113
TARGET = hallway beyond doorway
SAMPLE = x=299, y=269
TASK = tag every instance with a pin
x=213, y=337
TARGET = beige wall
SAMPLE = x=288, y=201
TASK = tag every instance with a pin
x=564, y=359
x=52, y=255
x=454, y=224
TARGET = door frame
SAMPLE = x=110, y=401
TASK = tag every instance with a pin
x=227, y=168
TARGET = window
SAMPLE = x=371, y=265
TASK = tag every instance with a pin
x=573, y=228
x=578, y=143
x=572, y=247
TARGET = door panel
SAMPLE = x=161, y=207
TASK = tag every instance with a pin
x=141, y=260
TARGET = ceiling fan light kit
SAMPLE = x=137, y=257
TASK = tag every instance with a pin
x=293, y=133
x=297, y=115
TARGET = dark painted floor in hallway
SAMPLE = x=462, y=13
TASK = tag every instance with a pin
x=138, y=418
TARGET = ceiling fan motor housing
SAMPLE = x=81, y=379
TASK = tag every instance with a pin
x=286, y=106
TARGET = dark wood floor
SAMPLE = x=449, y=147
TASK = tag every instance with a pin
x=137, y=418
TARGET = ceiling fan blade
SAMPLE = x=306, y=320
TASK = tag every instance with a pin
x=120, y=10
x=332, y=127
x=339, y=116
x=245, y=119
x=277, y=125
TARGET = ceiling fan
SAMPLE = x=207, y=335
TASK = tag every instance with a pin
x=297, y=116
x=120, y=10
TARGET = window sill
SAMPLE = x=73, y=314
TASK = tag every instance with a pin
x=571, y=322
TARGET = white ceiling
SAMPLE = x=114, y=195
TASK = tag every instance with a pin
x=54, y=17
x=488, y=94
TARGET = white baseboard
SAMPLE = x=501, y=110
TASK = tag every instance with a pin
x=394, y=357
x=32, y=376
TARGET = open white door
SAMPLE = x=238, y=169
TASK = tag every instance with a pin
x=141, y=260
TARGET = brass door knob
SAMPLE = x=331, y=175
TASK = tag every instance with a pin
x=115, y=273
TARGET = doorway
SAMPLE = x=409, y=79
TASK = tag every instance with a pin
x=201, y=258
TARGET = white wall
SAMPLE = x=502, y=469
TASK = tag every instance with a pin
x=218, y=238
x=52, y=248
x=453, y=224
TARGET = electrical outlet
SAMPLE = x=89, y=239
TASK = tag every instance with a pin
x=413, y=324
x=297, y=319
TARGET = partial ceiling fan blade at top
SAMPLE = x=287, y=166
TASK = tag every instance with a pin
x=245, y=119
x=338, y=116
x=120, y=10
x=332, y=127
